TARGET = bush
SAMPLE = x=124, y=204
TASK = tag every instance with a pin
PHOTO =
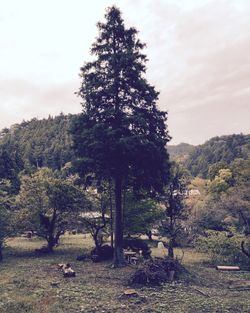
x=184, y=239
x=102, y=253
x=223, y=247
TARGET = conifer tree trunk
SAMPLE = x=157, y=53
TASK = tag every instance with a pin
x=118, y=251
x=111, y=219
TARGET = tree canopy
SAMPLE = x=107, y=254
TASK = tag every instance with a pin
x=48, y=205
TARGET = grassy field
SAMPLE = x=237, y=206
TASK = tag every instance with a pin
x=31, y=283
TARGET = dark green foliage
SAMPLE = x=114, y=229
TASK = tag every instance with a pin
x=102, y=253
x=37, y=143
x=222, y=150
x=140, y=214
x=10, y=163
x=223, y=247
x=212, y=216
x=48, y=205
x=120, y=130
x=6, y=218
x=121, y=135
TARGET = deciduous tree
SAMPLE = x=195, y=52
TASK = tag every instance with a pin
x=141, y=215
x=49, y=205
x=173, y=201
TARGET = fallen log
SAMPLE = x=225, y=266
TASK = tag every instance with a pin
x=227, y=268
x=67, y=270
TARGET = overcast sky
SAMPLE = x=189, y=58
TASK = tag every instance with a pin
x=198, y=50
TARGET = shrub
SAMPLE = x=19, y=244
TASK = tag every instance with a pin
x=223, y=247
x=184, y=239
x=102, y=253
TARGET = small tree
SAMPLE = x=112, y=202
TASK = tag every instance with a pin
x=49, y=205
x=121, y=133
x=173, y=200
x=220, y=183
x=95, y=218
x=141, y=215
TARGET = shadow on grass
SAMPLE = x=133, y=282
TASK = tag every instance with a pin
x=14, y=252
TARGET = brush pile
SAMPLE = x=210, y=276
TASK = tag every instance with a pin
x=157, y=271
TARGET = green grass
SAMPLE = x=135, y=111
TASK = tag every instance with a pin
x=26, y=284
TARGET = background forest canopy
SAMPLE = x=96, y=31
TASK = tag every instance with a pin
x=47, y=143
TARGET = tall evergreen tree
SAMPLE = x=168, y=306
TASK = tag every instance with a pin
x=120, y=135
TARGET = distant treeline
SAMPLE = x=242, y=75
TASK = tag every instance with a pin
x=47, y=142
x=223, y=150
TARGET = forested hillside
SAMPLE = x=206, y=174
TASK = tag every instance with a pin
x=179, y=152
x=47, y=142
x=33, y=144
x=218, y=150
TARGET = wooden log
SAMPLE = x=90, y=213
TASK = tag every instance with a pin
x=227, y=268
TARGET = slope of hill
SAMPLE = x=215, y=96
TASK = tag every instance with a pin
x=47, y=142
x=34, y=144
x=224, y=150
x=179, y=152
